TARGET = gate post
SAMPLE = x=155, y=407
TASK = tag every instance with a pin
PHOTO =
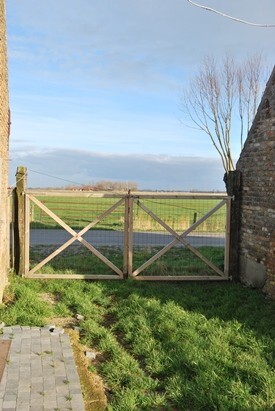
x=233, y=190
x=128, y=236
x=19, y=220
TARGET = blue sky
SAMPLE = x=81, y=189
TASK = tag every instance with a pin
x=94, y=87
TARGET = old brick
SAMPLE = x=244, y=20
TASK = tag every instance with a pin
x=4, y=144
x=257, y=166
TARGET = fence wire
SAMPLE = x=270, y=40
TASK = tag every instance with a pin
x=125, y=235
x=47, y=235
x=150, y=236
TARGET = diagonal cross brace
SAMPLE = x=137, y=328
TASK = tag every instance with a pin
x=75, y=235
x=179, y=238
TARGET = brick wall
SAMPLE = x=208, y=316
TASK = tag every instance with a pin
x=257, y=197
x=4, y=142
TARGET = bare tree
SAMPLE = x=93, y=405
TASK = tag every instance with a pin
x=222, y=96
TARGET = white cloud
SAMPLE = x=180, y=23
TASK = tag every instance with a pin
x=149, y=171
x=104, y=76
x=132, y=43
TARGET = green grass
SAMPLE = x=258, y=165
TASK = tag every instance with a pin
x=78, y=260
x=180, y=346
x=79, y=212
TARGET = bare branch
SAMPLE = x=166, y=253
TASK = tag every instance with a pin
x=222, y=98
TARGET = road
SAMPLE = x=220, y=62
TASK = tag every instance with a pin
x=115, y=238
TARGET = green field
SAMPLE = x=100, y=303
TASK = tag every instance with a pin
x=179, y=214
x=162, y=346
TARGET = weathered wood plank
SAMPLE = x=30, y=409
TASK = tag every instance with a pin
x=180, y=278
x=19, y=223
x=135, y=194
x=75, y=276
x=27, y=235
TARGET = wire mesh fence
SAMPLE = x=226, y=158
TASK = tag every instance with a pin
x=83, y=234
x=91, y=235
x=172, y=237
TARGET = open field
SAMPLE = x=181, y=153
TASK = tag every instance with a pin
x=78, y=212
x=160, y=346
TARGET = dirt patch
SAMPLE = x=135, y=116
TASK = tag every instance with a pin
x=49, y=298
x=91, y=384
x=65, y=322
x=4, y=351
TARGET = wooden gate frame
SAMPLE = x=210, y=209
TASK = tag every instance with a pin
x=129, y=200
x=30, y=196
x=221, y=276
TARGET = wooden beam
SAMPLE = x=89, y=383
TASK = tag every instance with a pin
x=179, y=278
x=19, y=223
x=27, y=235
x=75, y=276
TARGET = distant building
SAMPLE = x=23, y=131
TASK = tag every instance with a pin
x=4, y=147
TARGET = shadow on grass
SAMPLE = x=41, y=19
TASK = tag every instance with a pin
x=226, y=301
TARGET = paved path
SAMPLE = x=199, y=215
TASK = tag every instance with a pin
x=115, y=238
x=40, y=374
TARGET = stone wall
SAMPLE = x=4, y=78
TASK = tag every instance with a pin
x=257, y=197
x=4, y=143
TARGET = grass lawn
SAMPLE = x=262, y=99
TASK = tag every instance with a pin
x=163, y=346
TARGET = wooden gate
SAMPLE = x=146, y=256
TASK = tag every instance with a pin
x=182, y=238
x=147, y=228
x=35, y=197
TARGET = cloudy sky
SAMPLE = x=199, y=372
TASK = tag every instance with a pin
x=95, y=86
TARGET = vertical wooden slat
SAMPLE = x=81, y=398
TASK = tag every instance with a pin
x=19, y=229
x=27, y=236
x=13, y=194
x=130, y=238
x=126, y=236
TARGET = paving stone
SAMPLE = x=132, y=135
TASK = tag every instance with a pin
x=39, y=364
x=9, y=404
x=10, y=397
x=50, y=406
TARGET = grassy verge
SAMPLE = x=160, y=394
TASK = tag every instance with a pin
x=165, y=346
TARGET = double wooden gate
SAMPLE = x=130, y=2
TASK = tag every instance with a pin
x=143, y=224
